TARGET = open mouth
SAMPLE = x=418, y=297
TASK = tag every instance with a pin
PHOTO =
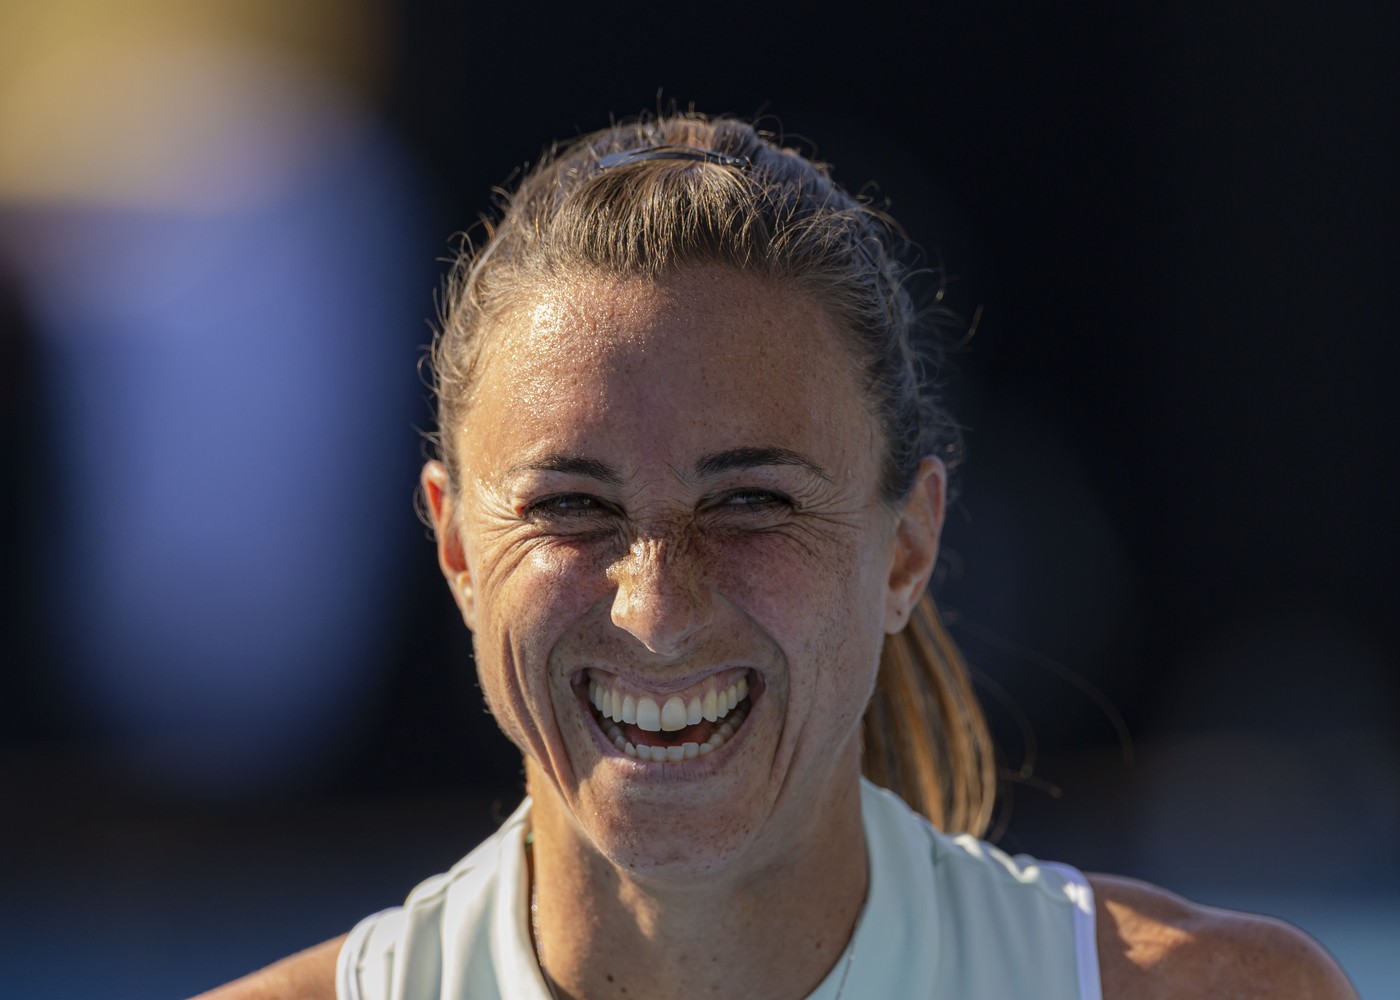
x=667, y=728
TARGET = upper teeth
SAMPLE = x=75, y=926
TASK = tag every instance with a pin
x=707, y=701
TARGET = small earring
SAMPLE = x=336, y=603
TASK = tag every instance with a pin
x=464, y=583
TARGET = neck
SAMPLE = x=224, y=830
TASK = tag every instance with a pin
x=772, y=925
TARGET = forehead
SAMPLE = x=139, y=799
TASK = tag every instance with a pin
x=704, y=351
x=706, y=315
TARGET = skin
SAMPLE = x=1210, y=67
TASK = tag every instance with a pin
x=1154, y=945
x=307, y=975
x=654, y=564
x=659, y=570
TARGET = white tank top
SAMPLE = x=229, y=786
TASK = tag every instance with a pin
x=944, y=917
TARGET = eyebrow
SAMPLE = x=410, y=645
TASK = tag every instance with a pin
x=748, y=458
x=573, y=465
x=709, y=465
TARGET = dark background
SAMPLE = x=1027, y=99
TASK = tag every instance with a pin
x=230, y=728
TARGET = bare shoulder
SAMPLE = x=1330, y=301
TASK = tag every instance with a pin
x=307, y=975
x=1153, y=944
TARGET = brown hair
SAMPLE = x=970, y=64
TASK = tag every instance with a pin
x=771, y=212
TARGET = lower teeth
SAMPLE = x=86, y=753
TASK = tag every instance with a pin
x=685, y=751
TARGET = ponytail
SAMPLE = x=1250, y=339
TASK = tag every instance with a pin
x=925, y=737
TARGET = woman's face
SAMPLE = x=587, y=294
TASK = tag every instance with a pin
x=669, y=493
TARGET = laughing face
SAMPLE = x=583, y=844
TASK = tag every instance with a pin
x=668, y=541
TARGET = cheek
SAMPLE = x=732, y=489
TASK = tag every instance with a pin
x=525, y=592
x=822, y=605
x=523, y=605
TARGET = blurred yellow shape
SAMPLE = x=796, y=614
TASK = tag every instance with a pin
x=154, y=103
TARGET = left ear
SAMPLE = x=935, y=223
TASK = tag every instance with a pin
x=915, y=545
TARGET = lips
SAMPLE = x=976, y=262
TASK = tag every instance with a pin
x=673, y=725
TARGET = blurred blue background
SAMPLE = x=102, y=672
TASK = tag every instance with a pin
x=237, y=710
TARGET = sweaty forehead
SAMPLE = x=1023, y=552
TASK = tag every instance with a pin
x=693, y=312
x=696, y=362
x=710, y=323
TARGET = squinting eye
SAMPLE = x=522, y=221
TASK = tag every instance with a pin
x=751, y=499
x=564, y=505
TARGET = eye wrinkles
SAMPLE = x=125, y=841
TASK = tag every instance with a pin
x=574, y=510
x=585, y=513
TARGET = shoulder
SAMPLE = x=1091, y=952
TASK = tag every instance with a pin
x=307, y=975
x=1153, y=943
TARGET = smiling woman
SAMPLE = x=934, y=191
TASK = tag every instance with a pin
x=690, y=511
x=688, y=501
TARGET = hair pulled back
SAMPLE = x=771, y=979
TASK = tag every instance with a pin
x=772, y=213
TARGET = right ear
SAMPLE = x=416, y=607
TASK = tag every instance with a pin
x=452, y=557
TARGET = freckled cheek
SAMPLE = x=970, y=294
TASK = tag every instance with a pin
x=528, y=604
x=525, y=606
x=814, y=608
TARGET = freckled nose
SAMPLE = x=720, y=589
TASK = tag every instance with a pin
x=661, y=596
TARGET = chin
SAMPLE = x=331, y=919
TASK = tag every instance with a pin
x=676, y=842
x=669, y=819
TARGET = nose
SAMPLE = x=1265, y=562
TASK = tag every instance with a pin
x=662, y=597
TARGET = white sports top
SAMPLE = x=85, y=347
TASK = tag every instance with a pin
x=943, y=917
